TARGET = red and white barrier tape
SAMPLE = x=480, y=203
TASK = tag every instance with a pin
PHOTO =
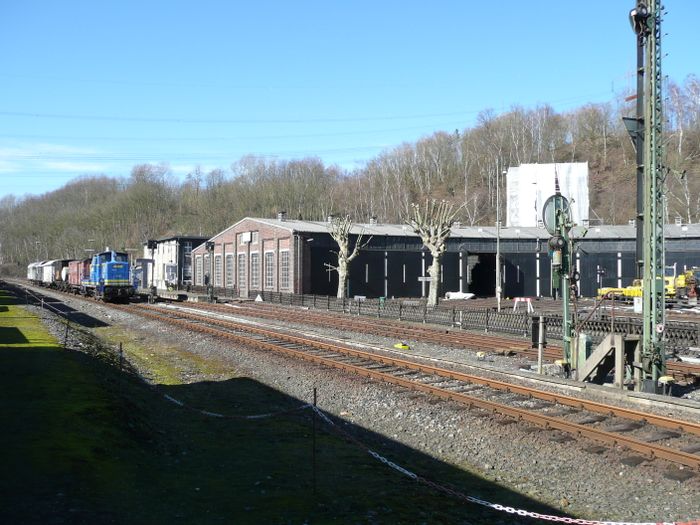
x=483, y=503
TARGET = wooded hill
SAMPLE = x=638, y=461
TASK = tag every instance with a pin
x=461, y=166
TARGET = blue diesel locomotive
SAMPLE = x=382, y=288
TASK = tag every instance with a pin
x=109, y=277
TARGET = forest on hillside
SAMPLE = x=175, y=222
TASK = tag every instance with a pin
x=93, y=211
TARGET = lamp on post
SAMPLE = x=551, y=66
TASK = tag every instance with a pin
x=209, y=246
x=498, y=242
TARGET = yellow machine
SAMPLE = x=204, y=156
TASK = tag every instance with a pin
x=685, y=284
x=676, y=286
x=611, y=291
x=635, y=289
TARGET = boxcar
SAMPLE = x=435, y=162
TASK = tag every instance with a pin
x=52, y=274
x=78, y=271
x=34, y=272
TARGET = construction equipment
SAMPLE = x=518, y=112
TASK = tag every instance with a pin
x=684, y=284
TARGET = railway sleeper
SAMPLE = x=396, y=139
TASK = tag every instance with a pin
x=404, y=373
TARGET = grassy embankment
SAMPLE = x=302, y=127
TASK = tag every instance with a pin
x=82, y=442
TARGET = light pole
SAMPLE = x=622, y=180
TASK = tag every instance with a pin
x=498, y=242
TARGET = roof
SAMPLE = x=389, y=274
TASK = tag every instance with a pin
x=602, y=232
x=610, y=231
x=180, y=237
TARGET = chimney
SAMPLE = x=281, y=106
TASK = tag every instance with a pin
x=373, y=219
x=282, y=215
x=679, y=221
x=330, y=218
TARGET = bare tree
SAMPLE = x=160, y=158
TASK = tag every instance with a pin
x=339, y=228
x=432, y=222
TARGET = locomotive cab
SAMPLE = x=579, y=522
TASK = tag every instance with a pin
x=109, y=276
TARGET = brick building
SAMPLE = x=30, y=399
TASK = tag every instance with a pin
x=291, y=256
x=250, y=256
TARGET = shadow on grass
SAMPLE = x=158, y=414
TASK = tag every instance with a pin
x=52, y=304
x=9, y=335
x=85, y=443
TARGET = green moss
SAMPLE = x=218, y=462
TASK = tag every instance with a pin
x=167, y=364
x=84, y=443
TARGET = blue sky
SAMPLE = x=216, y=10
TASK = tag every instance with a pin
x=97, y=87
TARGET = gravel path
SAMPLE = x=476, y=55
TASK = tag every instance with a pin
x=576, y=476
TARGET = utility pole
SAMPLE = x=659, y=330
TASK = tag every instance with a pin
x=209, y=246
x=646, y=23
x=498, y=243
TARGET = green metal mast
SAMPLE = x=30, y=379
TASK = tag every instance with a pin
x=646, y=21
x=556, y=215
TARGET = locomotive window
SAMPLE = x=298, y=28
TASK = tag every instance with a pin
x=121, y=257
x=105, y=257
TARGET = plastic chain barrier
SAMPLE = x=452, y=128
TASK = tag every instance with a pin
x=471, y=499
x=227, y=416
x=414, y=476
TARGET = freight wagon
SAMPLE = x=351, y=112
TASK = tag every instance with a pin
x=78, y=271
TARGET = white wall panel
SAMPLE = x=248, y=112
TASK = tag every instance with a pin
x=529, y=185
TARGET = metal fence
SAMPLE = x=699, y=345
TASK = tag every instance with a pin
x=415, y=310
x=679, y=335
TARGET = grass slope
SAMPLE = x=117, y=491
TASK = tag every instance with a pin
x=83, y=443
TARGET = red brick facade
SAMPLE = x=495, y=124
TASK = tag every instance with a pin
x=249, y=256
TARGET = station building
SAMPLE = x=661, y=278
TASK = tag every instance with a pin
x=291, y=256
x=167, y=261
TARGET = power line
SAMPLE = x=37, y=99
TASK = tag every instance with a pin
x=47, y=156
x=184, y=120
x=239, y=137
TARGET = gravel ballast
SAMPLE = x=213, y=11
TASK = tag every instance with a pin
x=575, y=475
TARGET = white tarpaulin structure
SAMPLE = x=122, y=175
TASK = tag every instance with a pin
x=529, y=185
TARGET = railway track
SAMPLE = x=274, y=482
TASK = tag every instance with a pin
x=389, y=328
x=637, y=431
x=682, y=371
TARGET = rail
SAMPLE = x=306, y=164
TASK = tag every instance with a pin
x=428, y=378
x=679, y=335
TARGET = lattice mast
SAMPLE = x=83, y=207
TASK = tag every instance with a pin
x=646, y=21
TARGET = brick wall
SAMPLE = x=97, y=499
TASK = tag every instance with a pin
x=239, y=242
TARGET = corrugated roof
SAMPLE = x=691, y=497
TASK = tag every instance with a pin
x=615, y=231
x=174, y=237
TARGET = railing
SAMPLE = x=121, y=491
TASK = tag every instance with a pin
x=679, y=335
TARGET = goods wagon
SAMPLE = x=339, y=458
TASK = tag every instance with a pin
x=52, y=274
x=78, y=271
x=34, y=272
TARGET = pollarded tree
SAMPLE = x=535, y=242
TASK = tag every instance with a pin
x=433, y=221
x=339, y=228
